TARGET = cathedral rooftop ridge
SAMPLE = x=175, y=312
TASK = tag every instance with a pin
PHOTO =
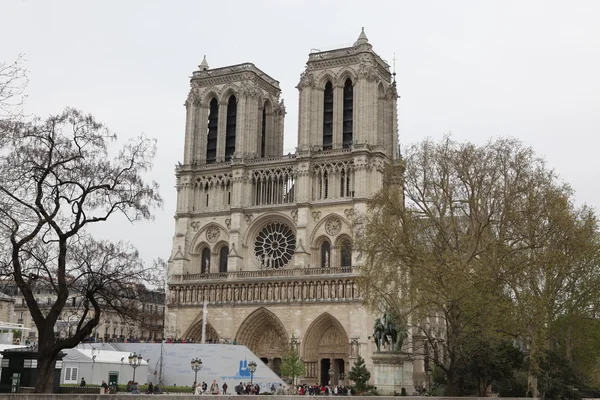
x=233, y=69
x=361, y=46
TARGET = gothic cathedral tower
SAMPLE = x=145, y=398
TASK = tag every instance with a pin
x=265, y=239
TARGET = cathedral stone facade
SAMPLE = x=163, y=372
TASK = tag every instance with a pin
x=265, y=239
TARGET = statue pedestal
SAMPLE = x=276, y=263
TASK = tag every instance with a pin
x=393, y=371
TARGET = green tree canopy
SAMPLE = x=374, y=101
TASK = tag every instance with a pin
x=468, y=241
x=292, y=365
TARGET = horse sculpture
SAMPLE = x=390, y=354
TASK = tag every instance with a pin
x=386, y=334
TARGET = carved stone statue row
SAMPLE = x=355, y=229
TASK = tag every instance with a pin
x=327, y=290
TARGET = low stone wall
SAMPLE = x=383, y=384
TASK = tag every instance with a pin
x=179, y=396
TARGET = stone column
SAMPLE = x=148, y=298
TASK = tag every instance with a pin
x=338, y=114
x=201, y=134
x=189, y=130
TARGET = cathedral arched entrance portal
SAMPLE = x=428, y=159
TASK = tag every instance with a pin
x=194, y=332
x=264, y=334
x=326, y=351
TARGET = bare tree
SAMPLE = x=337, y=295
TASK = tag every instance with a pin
x=13, y=81
x=56, y=178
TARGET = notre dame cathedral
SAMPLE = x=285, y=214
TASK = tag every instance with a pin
x=266, y=238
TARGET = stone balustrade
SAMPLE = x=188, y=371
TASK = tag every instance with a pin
x=261, y=274
x=312, y=289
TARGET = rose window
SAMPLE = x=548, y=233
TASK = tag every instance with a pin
x=274, y=245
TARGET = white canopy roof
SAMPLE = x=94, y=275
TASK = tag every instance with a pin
x=102, y=356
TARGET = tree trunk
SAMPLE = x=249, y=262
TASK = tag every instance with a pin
x=453, y=385
x=45, y=368
x=569, y=343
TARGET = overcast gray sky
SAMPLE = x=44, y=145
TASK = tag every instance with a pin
x=528, y=69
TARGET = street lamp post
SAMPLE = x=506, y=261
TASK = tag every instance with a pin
x=93, y=362
x=196, y=366
x=135, y=360
x=252, y=368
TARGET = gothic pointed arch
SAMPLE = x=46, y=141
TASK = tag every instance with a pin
x=325, y=76
x=344, y=74
x=208, y=94
x=343, y=247
x=194, y=332
x=325, y=346
x=230, y=127
x=329, y=225
x=197, y=251
x=205, y=261
x=264, y=334
x=325, y=336
x=322, y=250
x=223, y=253
x=210, y=233
x=266, y=125
x=211, y=131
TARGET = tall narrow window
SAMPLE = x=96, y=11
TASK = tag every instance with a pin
x=213, y=124
x=346, y=253
x=223, y=259
x=263, y=134
x=328, y=117
x=230, y=130
x=325, y=254
x=348, y=122
x=205, y=262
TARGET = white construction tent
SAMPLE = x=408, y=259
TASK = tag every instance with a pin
x=170, y=364
x=97, y=365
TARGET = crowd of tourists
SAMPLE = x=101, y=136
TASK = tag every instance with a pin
x=135, y=339
x=324, y=390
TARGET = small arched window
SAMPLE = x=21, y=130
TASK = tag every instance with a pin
x=348, y=122
x=346, y=253
x=230, y=129
x=211, y=134
x=328, y=117
x=223, y=259
x=325, y=254
x=205, y=262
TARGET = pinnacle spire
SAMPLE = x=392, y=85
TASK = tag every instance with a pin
x=203, y=65
x=362, y=38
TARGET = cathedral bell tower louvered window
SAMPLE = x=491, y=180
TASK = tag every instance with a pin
x=263, y=134
x=230, y=129
x=213, y=124
x=328, y=117
x=348, y=116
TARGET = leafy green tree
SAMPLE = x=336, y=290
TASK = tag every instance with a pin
x=360, y=375
x=467, y=241
x=557, y=379
x=492, y=363
x=292, y=366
